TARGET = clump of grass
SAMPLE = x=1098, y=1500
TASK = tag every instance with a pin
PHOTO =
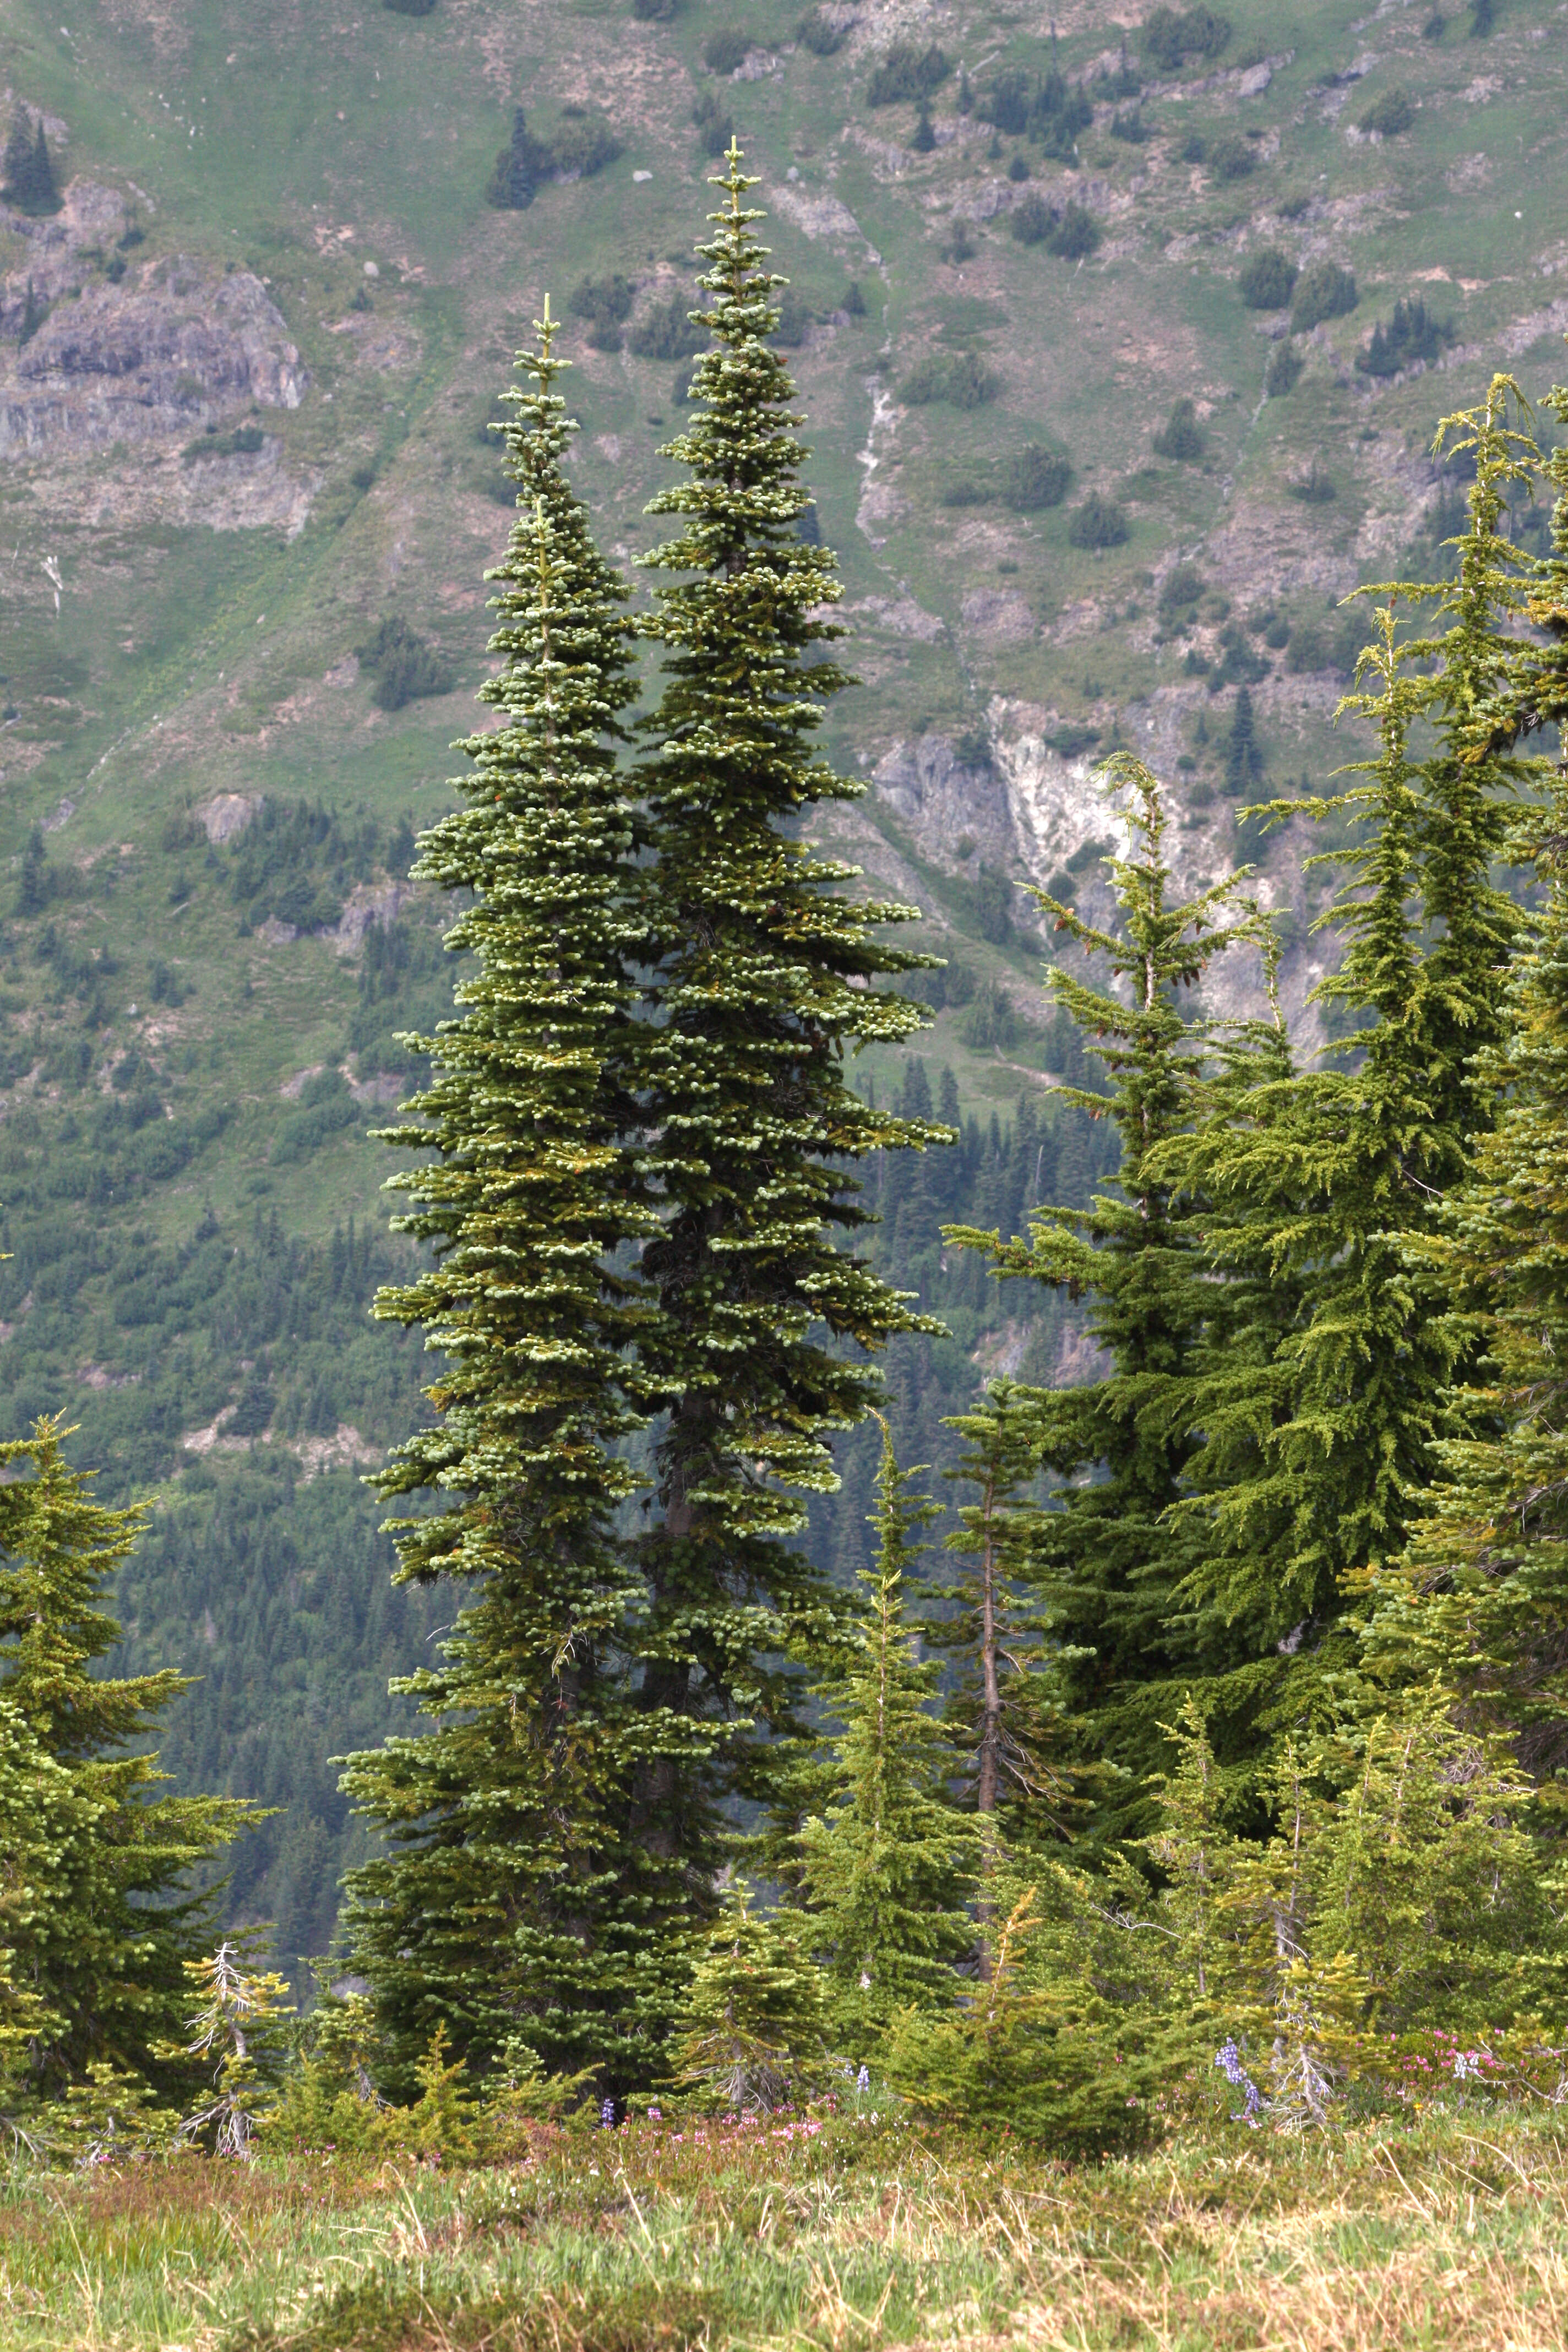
x=1444, y=2223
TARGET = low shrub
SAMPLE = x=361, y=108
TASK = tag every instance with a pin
x=818, y=34
x=1388, y=115
x=1326, y=641
x=405, y=667
x=1179, y=593
x=907, y=74
x=725, y=51
x=666, y=332
x=1097, y=523
x=242, y=442
x=1032, y=220
x=410, y=7
x=1324, y=290
x=1076, y=234
x=1285, y=364
x=1172, y=35
x=960, y=378
x=795, y=318
x=603, y=302
x=1267, y=278
x=1314, y=488
x=582, y=144
x=1231, y=157
x=1181, y=436
x=1034, y=478
x=715, y=124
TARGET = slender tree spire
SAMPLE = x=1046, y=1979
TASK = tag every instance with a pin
x=1105, y=1564
x=96, y=1915
x=1313, y=1469
x=884, y=1862
x=512, y=1902
x=762, y=965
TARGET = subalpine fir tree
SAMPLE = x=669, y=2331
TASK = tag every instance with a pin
x=96, y=1917
x=30, y=174
x=759, y=968
x=753, y=2032
x=885, y=1863
x=1107, y=1568
x=513, y=1900
x=1324, y=1177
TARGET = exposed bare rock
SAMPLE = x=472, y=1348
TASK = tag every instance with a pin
x=226, y=814
x=1518, y=338
x=345, y=1449
x=1080, y=1359
x=368, y=903
x=91, y=219
x=109, y=364
x=900, y=615
x=1002, y=620
x=820, y=217
x=942, y=801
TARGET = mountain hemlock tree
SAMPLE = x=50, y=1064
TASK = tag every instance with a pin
x=761, y=967
x=95, y=1922
x=1481, y=1598
x=1004, y=1711
x=1106, y=1566
x=884, y=1866
x=512, y=1902
x=1324, y=1177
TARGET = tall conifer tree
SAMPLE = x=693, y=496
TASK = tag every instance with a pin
x=512, y=1902
x=1106, y=1566
x=1321, y=1179
x=96, y=1917
x=761, y=967
x=1481, y=1599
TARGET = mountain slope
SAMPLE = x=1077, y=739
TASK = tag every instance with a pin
x=245, y=375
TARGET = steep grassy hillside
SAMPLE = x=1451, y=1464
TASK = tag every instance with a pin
x=1080, y=338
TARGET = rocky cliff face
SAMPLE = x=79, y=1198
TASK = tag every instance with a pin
x=161, y=351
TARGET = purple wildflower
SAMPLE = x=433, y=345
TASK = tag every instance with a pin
x=607, y=2116
x=1229, y=2058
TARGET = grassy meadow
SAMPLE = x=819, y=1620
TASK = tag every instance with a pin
x=1443, y=2228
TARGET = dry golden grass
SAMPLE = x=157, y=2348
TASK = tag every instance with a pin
x=1447, y=2232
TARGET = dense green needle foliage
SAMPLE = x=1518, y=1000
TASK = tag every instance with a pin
x=1106, y=1568
x=885, y=1863
x=1004, y=1710
x=96, y=1915
x=754, y=2031
x=759, y=964
x=1319, y=1436
x=512, y=1900
x=1481, y=1597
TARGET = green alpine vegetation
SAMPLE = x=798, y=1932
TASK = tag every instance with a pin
x=1194, y=1771
x=760, y=968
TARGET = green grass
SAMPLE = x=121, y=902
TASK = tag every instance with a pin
x=1437, y=2230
